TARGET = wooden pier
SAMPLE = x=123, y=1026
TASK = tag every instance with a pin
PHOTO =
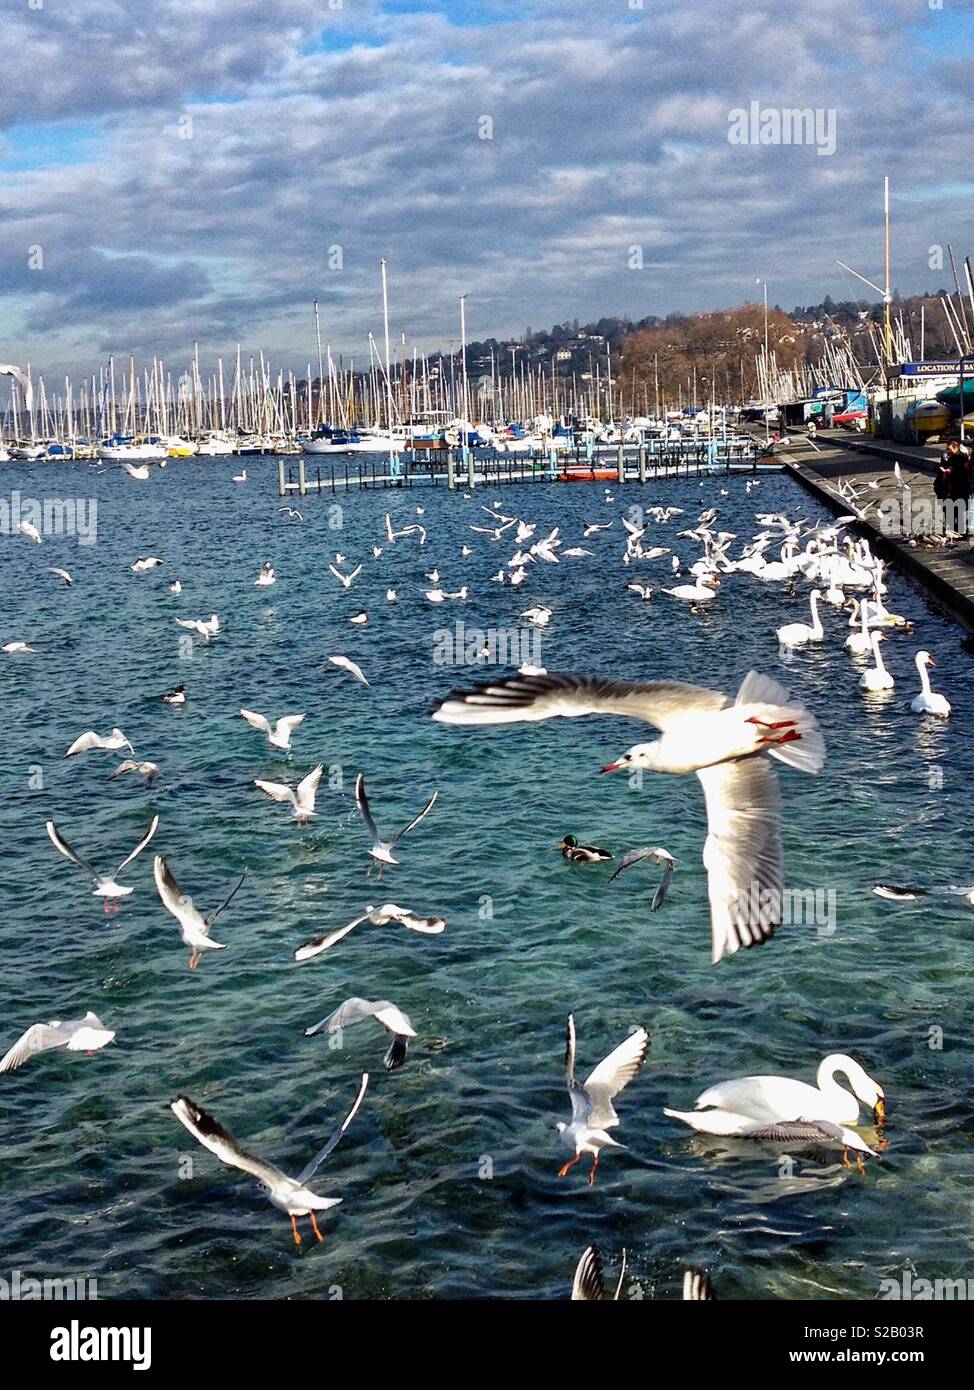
x=313, y=474
x=945, y=575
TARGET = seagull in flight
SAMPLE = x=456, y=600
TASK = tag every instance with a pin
x=658, y=856
x=393, y=1020
x=302, y=800
x=85, y=742
x=11, y=648
x=291, y=512
x=414, y=529
x=105, y=884
x=592, y=1110
x=266, y=576
x=589, y=1283
x=203, y=627
x=194, y=928
x=728, y=744
x=26, y=385
x=86, y=1034
x=280, y=735
x=350, y=666
x=346, y=579
x=27, y=528
x=379, y=917
x=381, y=850
x=290, y=1195
x=145, y=769
x=61, y=574
x=148, y=563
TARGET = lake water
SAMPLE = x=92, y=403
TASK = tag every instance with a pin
x=449, y=1173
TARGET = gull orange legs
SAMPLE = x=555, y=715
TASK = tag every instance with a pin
x=295, y=1232
x=791, y=734
x=314, y=1227
x=563, y=1171
x=594, y=1170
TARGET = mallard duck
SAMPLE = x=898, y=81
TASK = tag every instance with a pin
x=582, y=854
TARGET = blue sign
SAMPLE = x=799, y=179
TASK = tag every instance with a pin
x=929, y=368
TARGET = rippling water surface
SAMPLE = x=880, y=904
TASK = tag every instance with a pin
x=449, y=1173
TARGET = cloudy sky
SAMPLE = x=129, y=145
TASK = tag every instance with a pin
x=184, y=169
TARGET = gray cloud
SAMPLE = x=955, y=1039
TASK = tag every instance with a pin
x=609, y=130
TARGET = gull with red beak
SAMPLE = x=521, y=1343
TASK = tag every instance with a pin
x=728, y=744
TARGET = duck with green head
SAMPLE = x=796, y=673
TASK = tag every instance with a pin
x=582, y=854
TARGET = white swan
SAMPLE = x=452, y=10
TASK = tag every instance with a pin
x=797, y=634
x=876, y=677
x=928, y=701
x=701, y=592
x=735, y=1107
x=859, y=643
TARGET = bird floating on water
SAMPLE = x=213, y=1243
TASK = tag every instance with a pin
x=581, y=854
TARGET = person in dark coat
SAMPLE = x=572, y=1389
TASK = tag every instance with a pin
x=952, y=486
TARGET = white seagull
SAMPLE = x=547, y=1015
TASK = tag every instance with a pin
x=379, y=917
x=302, y=800
x=350, y=666
x=105, y=885
x=10, y=648
x=381, y=850
x=84, y=742
x=61, y=574
x=27, y=528
x=203, y=627
x=148, y=563
x=592, y=1111
x=393, y=1020
x=345, y=579
x=194, y=928
x=727, y=744
x=280, y=735
x=86, y=1034
x=658, y=856
x=266, y=576
x=27, y=386
x=290, y=1195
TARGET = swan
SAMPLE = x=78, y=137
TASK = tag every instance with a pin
x=928, y=701
x=876, y=677
x=700, y=592
x=735, y=1107
x=797, y=634
x=859, y=643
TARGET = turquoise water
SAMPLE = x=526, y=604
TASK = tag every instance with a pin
x=449, y=1172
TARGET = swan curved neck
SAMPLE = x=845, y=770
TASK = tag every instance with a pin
x=838, y=1062
x=924, y=676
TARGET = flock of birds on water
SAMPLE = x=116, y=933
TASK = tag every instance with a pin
x=732, y=743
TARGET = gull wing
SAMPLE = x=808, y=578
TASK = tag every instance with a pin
x=570, y=1051
x=141, y=845
x=659, y=897
x=227, y=901
x=697, y=1286
x=317, y=944
x=83, y=742
x=342, y=579
x=427, y=926
x=320, y=1157
x=414, y=822
x=221, y=1142
x=363, y=805
x=532, y=698
x=612, y=1075
x=174, y=900
x=589, y=1285
x=38, y=1038
x=352, y=1011
x=797, y=1131
x=256, y=720
x=61, y=844
x=287, y=724
x=277, y=791
x=307, y=788
x=742, y=853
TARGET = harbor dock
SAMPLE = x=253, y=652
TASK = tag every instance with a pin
x=945, y=574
